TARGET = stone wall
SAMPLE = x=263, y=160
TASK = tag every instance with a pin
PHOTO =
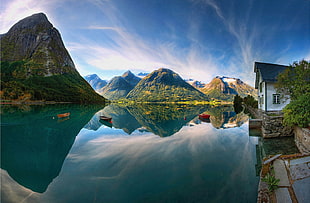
x=272, y=125
x=302, y=139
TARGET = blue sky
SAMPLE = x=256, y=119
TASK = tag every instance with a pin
x=198, y=39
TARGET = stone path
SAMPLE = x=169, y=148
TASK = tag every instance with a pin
x=294, y=175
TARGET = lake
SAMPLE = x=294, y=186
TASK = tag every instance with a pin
x=149, y=153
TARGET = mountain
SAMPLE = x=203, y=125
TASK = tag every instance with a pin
x=195, y=83
x=95, y=82
x=164, y=85
x=119, y=86
x=225, y=88
x=35, y=65
x=142, y=75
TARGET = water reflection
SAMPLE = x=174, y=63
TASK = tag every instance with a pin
x=34, y=143
x=195, y=163
x=165, y=120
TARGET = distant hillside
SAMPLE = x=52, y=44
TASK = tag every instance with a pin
x=142, y=75
x=195, y=83
x=225, y=88
x=119, y=86
x=35, y=65
x=164, y=85
x=95, y=81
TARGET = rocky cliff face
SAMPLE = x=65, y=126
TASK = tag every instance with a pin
x=35, y=39
x=35, y=65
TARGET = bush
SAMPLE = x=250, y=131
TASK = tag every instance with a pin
x=297, y=112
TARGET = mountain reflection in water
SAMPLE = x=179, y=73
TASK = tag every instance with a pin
x=80, y=159
x=165, y=120
x=34, y=143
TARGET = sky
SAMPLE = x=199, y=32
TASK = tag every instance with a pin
x=198, y=39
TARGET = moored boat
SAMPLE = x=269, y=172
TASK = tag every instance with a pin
x=63, y=115
x=204, y=116
x=105, y=118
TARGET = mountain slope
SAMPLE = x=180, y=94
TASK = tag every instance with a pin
x=164, y=85
x=225, y=88
x=95, y=81
x=119, y=86
x=35, y=65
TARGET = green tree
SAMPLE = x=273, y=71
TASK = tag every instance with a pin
x=238, y=104
x=295, y=83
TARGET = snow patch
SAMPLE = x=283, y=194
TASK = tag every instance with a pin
x=229, y=80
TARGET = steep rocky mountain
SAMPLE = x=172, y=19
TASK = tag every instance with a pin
x=95, y=81
x=35, y=65
x=164, y=85
x=119, y=86
x=225, y=88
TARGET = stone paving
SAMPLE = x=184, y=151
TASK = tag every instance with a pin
x=294, y=175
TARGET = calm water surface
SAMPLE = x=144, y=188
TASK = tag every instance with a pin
x=150, y=153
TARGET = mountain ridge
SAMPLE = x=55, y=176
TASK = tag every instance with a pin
x=225, y=88
x=164, y=85
x=95, y=81
x=119, y=86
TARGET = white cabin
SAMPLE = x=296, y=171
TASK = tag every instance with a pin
x=266, y=77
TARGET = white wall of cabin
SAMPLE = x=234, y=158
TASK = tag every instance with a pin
x=270, y=106
x=265, y=97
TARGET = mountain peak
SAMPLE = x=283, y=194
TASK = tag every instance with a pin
x=224, y=88
x=127, y=74
x=164, y=85
x=35, y=39
x=35, y=21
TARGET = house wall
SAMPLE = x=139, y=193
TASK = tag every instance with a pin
x=270, y=106
x=265, y=93
x=260, y=94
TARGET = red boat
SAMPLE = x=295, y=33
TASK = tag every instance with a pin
x=204, y=116
x=105, y=118
x=63, y=115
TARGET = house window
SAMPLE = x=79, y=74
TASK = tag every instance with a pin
x=276, y=99
x=261, y=87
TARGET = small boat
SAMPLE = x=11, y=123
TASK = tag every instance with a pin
x=204, y=116
x=63, y=115
x=106, y=123
x=105, y=118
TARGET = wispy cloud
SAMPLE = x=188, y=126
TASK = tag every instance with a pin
x=128, y=50
x=16, y=10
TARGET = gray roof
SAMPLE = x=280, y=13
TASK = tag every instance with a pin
x=268, y=71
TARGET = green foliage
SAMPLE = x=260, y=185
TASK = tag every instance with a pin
x=250, y=101
x=297, y=112
x=219, y=95
x=70, y=87
x=272, y=181
x=165, y=93
x=238, y=104
x=295, y=82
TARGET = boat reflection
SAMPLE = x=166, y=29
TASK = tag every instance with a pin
x=166, y=120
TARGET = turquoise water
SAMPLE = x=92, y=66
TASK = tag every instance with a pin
x=150, y=153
